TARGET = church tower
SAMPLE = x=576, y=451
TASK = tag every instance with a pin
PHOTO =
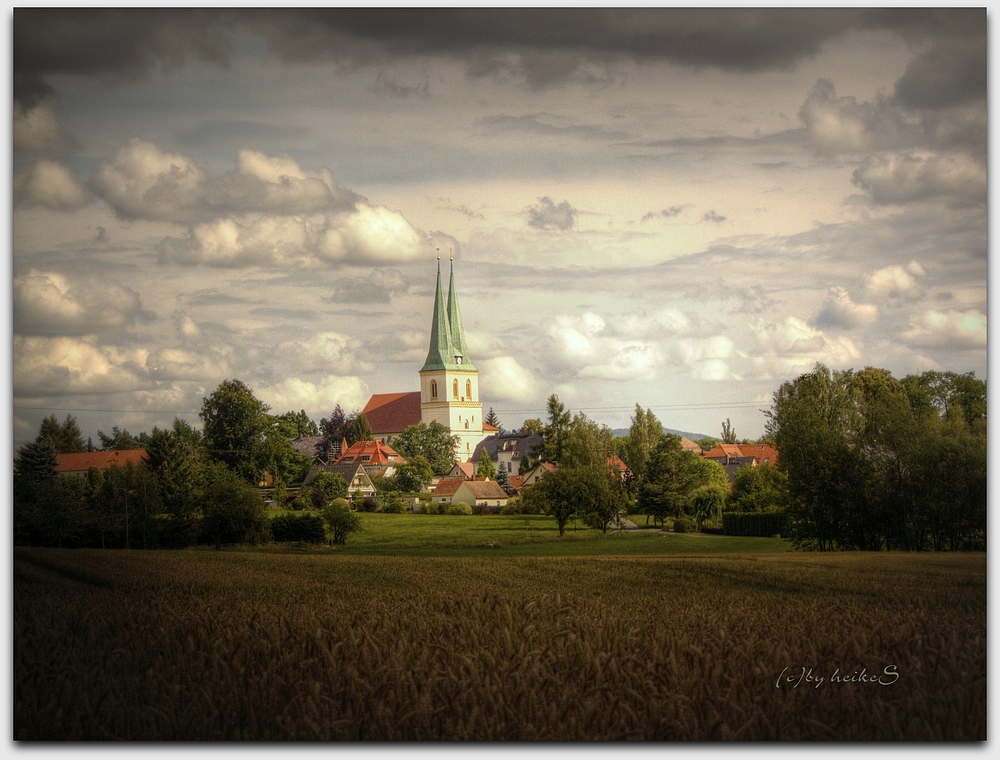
x=449, y=381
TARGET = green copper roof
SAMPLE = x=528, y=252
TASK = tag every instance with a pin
x=448, y=349
x=455, y=322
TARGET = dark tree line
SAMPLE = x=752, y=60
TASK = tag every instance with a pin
x=876, y=463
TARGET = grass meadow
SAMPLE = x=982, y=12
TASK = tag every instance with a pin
x=640, y=637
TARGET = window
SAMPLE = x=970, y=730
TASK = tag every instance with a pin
x=434, y=388
x=466, y=424
x=454, y=389
x=468, y=389
x=510, y=466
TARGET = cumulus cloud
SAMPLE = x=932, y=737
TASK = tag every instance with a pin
x=896, y=283
x=711, y=216
x=948, y=330
x=51, y=185
x=64, y=365
x=952, y=71
x=37, y=131
x=268, y=211
x=504, y=379
x=707, y=358
x=330, y=352
x=581, y=346
x=910, y=177
x=50, y=303
x=402, y=345
x=546, y=215
x=315, y=398
x=649, y=323
x=838, y=310
x=792, y=347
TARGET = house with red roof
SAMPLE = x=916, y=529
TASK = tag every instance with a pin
x=370, y=454
x=80, y=464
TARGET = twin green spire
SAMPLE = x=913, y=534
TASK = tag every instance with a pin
x=448, y=349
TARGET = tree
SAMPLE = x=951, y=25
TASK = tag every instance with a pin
x=340, y=520
x=671, y=477
x=534, y=425
x=503, y=481
x=119, y=440
x=707, y=503
x=758, y=489
x=485, y=468
x=66, y=437
x=707, y=444
x=586, y=444
x=601, y=496
x=235, y=428
x=234, y=513
x=296, y=424
x=431, y=441
x=492, y=419
x=643, y=437
x=357, y=429
x=130, y=499
x=555, y=431
x=414, y=475
x=333, y=430
x=37, y=461
x=554, y=494
x=331, y=483
x=728, y=434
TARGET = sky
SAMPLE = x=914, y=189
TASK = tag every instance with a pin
x=677, y=208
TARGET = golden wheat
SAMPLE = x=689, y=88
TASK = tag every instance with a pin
x=228, y=645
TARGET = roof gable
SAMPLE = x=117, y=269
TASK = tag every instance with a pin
x=484, y=489
x=370, y=453
x=448, y=486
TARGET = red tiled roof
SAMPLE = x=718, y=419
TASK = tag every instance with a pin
x=487, y=428
x=448, y=486
x=392, y=412
x=724, y=450
x=102, y=460
x=763, y=452
x=516, y=481
x=376, y=451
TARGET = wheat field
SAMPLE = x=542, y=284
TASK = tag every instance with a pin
x=202, y=645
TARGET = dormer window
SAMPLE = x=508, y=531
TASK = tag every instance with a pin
x=458, y=360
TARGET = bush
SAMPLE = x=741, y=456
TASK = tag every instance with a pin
x=714, y=531
x=392, y=504
x=234, y=514
x=754, y=523
x=340, y=521
x=681, y=525
x=174, y=532
x=290, y=527
x=431, y=508
x=483, y=509
x=369, y=504
x=460, y=509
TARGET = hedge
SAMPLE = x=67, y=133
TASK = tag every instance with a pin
x=754, y=523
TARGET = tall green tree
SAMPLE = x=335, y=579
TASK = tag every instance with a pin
x=415, y=475
x=492, y=418
x=728, y=434
x=586, y=444
x=554, y=434
x=65, y=436
x=534, y=425
x=37, y=461
x=485, y=468
x=643, y=437
x=235, y=428
x=234, y=513
x=357, y=429
x=758, y=489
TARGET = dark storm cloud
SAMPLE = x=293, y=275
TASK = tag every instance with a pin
x=551, y=45
x=950, y=73
x=114, y=41
x=237, y=133
x=546, y=215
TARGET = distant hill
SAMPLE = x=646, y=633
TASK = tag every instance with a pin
x=622, y=432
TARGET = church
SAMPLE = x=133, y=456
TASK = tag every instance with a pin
x=449, y=384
